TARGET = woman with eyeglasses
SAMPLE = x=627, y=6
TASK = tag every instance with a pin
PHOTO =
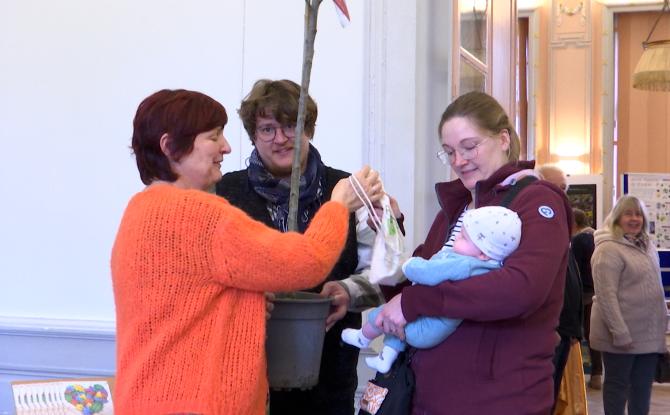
x=190, y=270
x=269, y=113
x=499, y=361
x=629, y=316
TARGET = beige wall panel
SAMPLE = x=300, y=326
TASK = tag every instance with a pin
x=570, y=105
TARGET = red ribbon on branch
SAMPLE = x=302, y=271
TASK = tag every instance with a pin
x=342, y=12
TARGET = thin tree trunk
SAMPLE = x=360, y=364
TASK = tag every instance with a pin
x=311, y=15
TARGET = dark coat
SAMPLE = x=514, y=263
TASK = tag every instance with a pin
x=338, y=378
x=572, y=315
x=583, y=246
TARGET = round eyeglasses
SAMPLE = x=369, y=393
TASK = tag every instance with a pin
x=448, y=156
x=268, y=133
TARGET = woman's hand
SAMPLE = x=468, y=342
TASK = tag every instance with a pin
x=339, y=302
x=369, y=180
x=269, y=304
x=391, y=319
x=627, y=346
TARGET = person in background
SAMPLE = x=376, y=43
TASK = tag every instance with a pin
x=269, y=114
x=554, y=174
x=570, y=321
x=499, y=359
x=629, y=315
x=496, y=232
x=582, y=246
x=189, y=270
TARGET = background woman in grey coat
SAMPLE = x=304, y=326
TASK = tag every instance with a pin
x=629, y=315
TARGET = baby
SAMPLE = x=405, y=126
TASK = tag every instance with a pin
x=488, y=235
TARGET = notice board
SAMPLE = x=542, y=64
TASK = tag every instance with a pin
x=654, y=190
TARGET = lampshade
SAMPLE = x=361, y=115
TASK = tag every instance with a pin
x=652, y=72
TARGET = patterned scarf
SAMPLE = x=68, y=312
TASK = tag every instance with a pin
x=276, y=191
x=638, y=241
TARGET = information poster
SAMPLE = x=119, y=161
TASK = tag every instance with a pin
x=654, y=189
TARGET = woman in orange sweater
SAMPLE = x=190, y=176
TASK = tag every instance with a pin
x=189, y=270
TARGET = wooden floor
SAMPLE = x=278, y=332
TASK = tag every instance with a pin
x=660, y=400
x=660, y=395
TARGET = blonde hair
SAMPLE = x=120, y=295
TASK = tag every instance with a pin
x=486, y=113
x=627, y=202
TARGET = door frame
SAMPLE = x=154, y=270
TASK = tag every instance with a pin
x=608, y=114
x=533, y=15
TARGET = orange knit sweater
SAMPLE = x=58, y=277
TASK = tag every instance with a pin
x=189, y=271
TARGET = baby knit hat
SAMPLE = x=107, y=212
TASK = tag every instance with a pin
x=495, y=230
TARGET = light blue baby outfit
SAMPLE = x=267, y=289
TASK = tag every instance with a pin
x=445, y=265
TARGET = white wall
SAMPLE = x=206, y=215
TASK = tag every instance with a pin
x=72, y=75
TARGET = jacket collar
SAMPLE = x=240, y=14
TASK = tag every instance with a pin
x=454, y=190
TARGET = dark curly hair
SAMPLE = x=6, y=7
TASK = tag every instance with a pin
x=278, y=100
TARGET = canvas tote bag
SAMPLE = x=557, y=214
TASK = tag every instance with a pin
x=388, y=250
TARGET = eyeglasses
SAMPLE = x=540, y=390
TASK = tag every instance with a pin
x=267, y=133
x=448, y=156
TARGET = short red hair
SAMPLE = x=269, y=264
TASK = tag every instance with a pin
x=182, y=115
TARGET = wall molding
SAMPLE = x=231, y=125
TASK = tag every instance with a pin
x=571, y=21
x=48, y=327
x=389, y=99
x=44, y=348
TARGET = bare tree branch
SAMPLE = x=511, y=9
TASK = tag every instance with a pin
x=311, y=15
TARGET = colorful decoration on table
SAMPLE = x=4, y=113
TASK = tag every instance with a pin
x=88, y=401
x=65, y=396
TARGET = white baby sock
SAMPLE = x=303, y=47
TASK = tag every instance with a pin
x=382, y=363
x=355, y=338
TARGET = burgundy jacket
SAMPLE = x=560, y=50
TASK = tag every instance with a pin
x=499, y=359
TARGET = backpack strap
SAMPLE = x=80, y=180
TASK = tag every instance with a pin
x=514, y=190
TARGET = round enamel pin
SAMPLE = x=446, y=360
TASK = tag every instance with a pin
x=546, y=211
